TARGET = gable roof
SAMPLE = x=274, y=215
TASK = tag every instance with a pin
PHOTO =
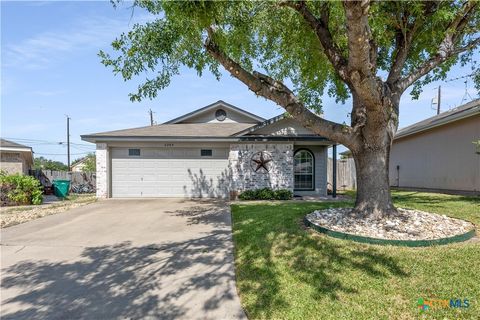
x=214, y=105
x=203, y=131
x=261, y=125
x=79, y=161
x=464, y=111
x=187, y=130
x=7, y=144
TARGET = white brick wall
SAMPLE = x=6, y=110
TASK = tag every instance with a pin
x=244, y=177
x=102, y=170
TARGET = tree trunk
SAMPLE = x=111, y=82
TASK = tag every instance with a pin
x=373, y=187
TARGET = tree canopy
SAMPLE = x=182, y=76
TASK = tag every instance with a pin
x=90, y=163
x=47, y=164
x=408, y=39
x=295, y=52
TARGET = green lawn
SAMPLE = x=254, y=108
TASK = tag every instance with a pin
x=287, y=272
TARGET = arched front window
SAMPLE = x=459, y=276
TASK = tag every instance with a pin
x=303, y=169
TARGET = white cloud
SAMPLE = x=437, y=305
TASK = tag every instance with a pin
x=42, y=50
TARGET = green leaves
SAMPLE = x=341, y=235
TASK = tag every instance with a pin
x=43, y=163
x=274, y=39
x=20, y=190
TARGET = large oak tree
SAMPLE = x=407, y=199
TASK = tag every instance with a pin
x=294, y=52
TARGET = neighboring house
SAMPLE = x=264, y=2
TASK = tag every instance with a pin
x=211, y=152
x=79, y=165
x=439, y=153
x=346, y=154
x=15, y=157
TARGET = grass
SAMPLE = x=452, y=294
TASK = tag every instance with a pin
x=286, y=272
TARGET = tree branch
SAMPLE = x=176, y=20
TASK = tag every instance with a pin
x=360, y=57
x=447, y=47
x=277, y=92
x=434, y=62
x=320, y=28
x=404, y=41
x=352, y=72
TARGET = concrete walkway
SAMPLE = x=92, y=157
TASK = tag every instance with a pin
x=148, y=258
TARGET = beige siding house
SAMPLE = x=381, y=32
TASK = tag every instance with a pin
x=78, y=166
x=15, y=157
x=439, y=153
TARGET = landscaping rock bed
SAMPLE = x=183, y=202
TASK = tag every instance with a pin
x=406, y=225
x=10, y=216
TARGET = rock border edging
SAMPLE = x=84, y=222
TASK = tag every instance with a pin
x=401, y=243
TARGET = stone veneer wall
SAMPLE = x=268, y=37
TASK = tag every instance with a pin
x=244, y=177
x=101, y=155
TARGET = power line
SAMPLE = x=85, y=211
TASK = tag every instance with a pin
x=462, y=77
x=35, y=141
x=60, y=154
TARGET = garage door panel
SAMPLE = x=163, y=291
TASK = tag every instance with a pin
x=178, y=172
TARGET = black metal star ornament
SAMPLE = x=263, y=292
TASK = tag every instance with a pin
x=261, y=161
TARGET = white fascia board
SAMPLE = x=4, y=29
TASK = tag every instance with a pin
x=14, y=149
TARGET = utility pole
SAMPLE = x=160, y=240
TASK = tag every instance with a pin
x=151, y=116
x=68, y=142
x=439, y=99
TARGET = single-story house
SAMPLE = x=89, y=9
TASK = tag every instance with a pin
x=439, y=153
x=214, y=151
x=15, y=157
x=79, y=165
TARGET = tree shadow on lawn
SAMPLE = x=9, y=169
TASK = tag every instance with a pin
x=122, y=281
x=276, y=256
x=433, y=199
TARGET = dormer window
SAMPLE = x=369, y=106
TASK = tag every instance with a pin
x=220, y=115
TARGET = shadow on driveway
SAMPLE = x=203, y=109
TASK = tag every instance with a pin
x=191, y=278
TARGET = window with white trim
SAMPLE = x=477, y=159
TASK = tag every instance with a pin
x=303, y=169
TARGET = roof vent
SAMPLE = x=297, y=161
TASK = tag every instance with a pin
x=220, y=115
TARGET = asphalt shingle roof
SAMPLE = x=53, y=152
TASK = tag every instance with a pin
x=179, y=130
x=11, y=144
x=466, y=110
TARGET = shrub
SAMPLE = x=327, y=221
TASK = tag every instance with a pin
x=247, y=195
x=283, y=194
x=266, y=194
x=18, y=189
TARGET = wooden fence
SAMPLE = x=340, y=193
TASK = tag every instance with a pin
x=76, y=178
x=346, y=176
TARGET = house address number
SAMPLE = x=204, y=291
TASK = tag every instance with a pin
x=168, y=145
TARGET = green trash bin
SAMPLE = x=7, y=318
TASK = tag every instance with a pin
x=61, y=188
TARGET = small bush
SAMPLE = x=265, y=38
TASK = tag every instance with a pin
x=266, y=194
x=283, y=194
x=17, y=189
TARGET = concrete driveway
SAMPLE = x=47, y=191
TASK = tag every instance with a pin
x=148, y=258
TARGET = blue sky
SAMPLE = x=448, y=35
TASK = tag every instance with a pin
x=50, y=68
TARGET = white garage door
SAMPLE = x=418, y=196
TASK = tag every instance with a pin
x=170, y=172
